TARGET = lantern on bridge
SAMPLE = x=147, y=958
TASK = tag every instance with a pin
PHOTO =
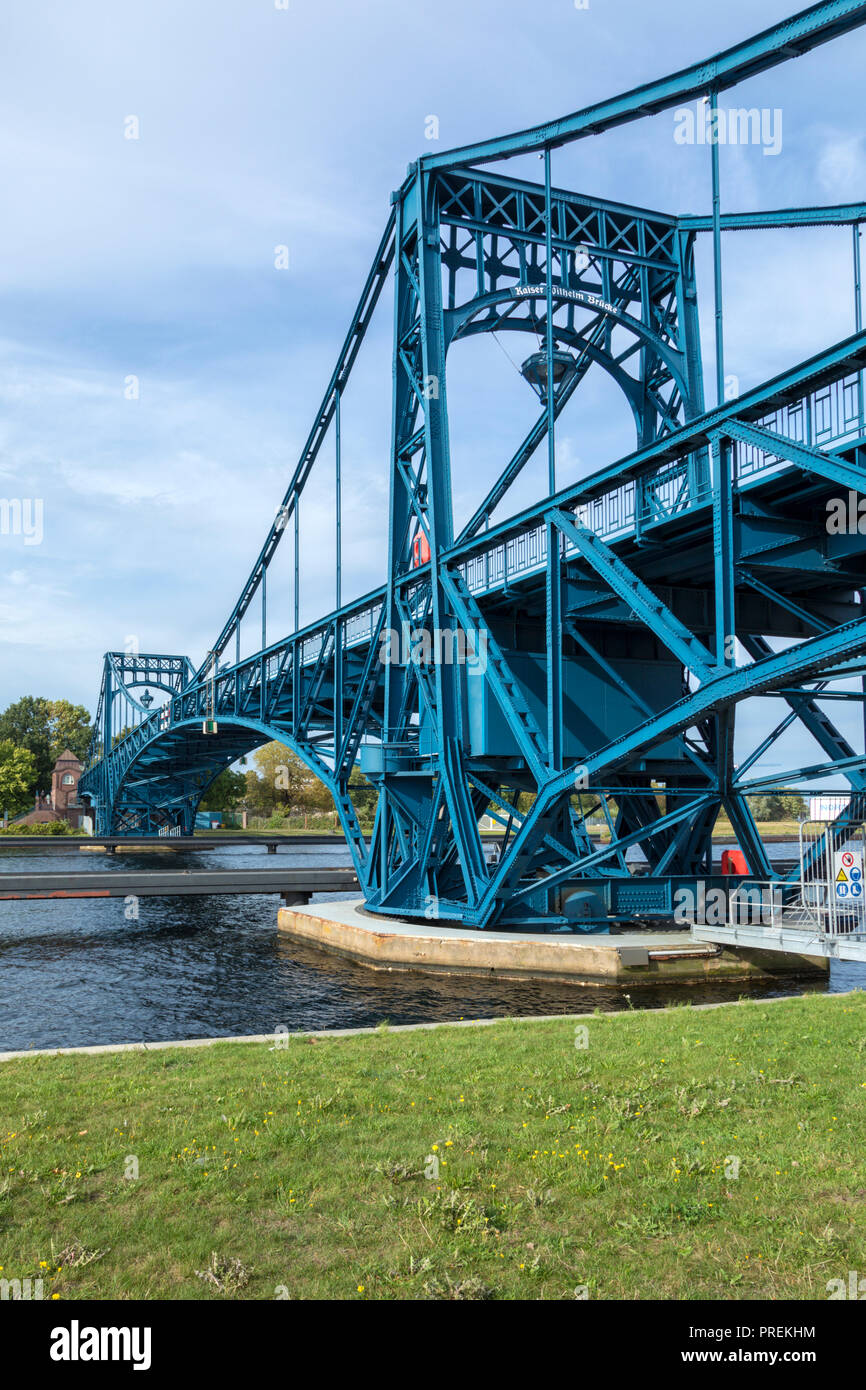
x=534, y=370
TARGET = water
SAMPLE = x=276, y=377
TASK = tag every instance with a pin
x=78, y=972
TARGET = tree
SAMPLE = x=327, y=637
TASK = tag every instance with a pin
x=25, y=724
x=17, y=774
x=793, y=805
x=46, y=728
x=258, y=794
x=286, y=783
x=364, y=795
x=291, y=781
x=780, y=805
x=225, y=792
x=69, y=726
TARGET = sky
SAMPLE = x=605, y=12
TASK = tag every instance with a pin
x=158, y=372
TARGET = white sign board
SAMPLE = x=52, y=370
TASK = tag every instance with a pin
x=827, y=807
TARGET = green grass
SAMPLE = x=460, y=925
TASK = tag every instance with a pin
x=723, y=830
x=769, y=830
x=300, y=1171
x=275, y=834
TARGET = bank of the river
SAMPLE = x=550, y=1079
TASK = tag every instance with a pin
x=769, y=830
x=689, y=1154
x=263, y=831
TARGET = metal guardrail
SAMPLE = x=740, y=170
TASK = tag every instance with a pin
x=821, y=418
x=805, y=915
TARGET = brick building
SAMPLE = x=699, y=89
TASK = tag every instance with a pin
x=61, y=803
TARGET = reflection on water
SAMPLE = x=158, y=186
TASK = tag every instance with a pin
x=73, y=973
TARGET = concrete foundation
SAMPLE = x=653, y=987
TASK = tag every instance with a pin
x=623, y=959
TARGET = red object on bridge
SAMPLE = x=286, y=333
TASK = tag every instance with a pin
x=420, y=551
x=734, y=862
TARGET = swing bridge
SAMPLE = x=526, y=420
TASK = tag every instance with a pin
x=601, y=680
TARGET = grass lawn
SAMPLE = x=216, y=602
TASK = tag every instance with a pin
x=300, y=1171
x=769, y=830
x=271, y=834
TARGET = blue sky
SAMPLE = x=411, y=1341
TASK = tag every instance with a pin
x=258, y=127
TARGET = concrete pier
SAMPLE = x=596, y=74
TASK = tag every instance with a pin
x=620, y=959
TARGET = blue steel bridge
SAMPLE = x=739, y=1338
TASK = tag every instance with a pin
x=603, y=679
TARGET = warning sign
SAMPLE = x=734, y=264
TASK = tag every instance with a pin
x=848, y=874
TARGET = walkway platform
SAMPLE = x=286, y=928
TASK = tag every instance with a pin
x=782, y=938
x=295, y=885
x=128, y=844
x=627, y=958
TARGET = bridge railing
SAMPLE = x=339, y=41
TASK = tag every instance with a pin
x=832, y=415
x=677, y=487
x=824, y=418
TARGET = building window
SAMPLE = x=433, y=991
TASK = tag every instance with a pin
x=68, y=779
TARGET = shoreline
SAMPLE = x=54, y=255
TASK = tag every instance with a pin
x=97, y=1049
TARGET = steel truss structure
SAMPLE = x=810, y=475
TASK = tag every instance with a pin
x=577, y=659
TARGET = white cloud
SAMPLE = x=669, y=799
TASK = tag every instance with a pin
x=841, y=168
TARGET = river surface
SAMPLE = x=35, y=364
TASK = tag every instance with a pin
x=74, y=973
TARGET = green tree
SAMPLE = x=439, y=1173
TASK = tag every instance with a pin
x=793, y=805
x=69, y=726
x=46, y=728
x=225, y=792
x=259, y=796
x=287, y=785
x=17, y=775
x=285, y=773
x=780, y=805
x=26, y=724
x=364, y=795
